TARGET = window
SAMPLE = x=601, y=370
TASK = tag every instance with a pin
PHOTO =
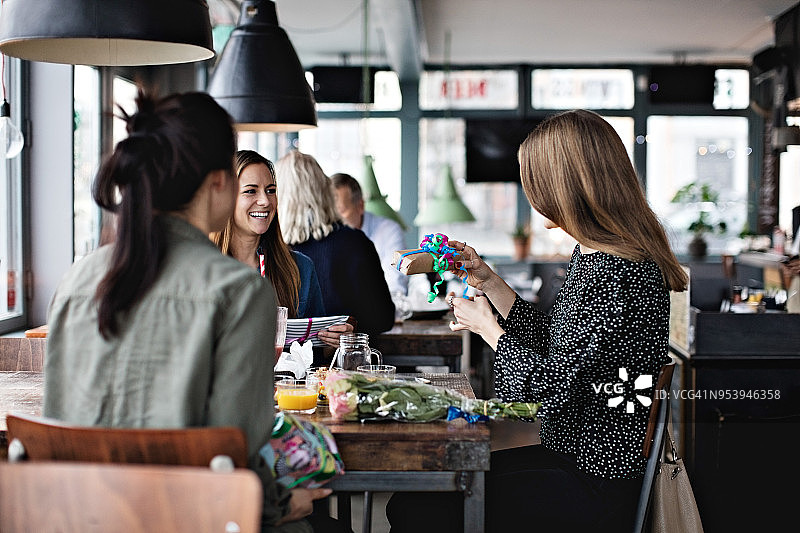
x=702, y=149
x=89, y=222
x=494, y=205
x=469, y=89
x=386, y=94
x=124, y=97
x=86, y=159
x=789, y=189
x=339, y=145
x=12, y=267
x=732, y=89
x=582, y=88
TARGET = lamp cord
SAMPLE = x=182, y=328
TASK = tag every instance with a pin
x=3, y=63
x=446, y=69
x=365, y=85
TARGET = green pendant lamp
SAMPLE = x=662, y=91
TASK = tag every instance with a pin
x=446, y=206
x=374, y=201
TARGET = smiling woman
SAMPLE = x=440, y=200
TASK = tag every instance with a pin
x=253, y=236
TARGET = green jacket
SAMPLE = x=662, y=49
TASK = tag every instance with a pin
x=195, y=350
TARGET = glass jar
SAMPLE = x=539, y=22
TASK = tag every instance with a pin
x=354, y=351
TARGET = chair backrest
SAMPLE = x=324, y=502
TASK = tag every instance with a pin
x=45, y=439
x=70, y=496
x=654, y=443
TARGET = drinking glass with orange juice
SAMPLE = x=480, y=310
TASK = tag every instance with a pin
x=297, y=395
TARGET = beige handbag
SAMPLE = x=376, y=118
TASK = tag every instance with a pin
x=674, y=508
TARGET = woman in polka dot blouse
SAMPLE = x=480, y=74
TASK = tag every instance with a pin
x=608, y=327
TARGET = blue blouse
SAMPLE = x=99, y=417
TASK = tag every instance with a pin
x=310, y=298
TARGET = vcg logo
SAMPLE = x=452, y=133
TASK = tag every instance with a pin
x=617, y=390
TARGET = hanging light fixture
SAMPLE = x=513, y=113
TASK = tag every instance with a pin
x=374, y=201
x=11, y=140
x=446, y=206
x=106, y=32
x=258, y=78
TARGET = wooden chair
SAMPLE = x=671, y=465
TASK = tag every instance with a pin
x=45, y=496
x=43, y=439
x=653, y=444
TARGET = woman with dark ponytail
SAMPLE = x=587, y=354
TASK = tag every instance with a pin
x=159, y=329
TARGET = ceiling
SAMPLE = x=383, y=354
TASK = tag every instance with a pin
x=406, y=34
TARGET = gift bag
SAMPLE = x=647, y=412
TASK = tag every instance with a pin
x=674, y=508
x=301, y=453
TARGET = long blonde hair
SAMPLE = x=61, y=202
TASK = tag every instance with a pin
x=576, y=172
x=305, y=198
x=279, y=265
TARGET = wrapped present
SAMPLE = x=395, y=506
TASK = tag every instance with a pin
x=301, y=453
x=433, y=255
x=415, y=261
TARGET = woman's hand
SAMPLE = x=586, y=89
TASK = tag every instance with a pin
x=477, y=271
x=301, y=503
x=475, y=315
x=479, y=275
x=331, y=335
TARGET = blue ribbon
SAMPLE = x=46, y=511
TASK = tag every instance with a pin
x=454, y=413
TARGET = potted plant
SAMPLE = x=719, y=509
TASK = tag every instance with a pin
x=522, y=241
x=704, y=198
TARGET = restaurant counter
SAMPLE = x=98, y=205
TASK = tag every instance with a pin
x=739, y=405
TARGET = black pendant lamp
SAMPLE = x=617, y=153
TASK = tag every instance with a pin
x=106, y=32
x=258, y=78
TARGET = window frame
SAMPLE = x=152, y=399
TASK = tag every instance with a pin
x=17, y=76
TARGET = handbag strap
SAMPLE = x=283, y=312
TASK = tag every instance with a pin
x=667, y=439
x=673, y=463
x=668, y=435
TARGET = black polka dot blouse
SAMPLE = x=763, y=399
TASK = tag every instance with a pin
x=589, y=360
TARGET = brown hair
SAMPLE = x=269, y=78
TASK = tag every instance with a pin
x=279, y=265
x=173, y=144
x=576, y=172
x=341, y=180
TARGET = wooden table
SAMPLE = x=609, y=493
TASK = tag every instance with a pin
x=405, y=457
x=20, y=392
x=423, y=342
x=378, y=456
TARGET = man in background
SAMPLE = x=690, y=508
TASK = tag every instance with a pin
x=385, y=234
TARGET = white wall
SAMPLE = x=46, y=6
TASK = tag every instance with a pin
x=50, y=186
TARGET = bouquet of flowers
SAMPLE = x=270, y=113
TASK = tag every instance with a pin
x=356, y=397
